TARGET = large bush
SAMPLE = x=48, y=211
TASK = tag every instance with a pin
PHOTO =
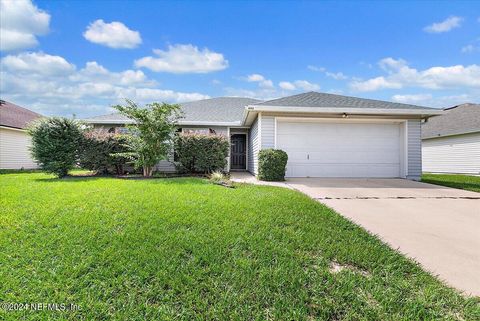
x=54, y=144
x=201, y=153
x=99, y=152
x=272, y=164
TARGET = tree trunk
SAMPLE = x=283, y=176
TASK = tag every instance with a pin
x=147, y=171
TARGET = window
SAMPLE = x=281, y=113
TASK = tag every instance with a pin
x=122, y=130
x=196, y=131
x=204, y=131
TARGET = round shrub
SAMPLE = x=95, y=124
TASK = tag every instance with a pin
x=100, y=151
x=55, y=142
x=272, y=164
x=201, y=153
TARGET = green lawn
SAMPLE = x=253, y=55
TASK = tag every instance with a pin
x=470, y=183
x=184, y=249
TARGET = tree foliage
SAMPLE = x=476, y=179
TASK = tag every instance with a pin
x=150, y=138
x=54, y=144
x=98, y=152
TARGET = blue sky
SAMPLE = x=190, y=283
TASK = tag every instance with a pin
x=81, y=57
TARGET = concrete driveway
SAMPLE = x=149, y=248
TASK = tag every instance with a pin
x=437, y=226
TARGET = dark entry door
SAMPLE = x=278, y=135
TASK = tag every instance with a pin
x=238, y=151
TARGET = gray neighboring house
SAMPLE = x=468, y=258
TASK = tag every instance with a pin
x=324, y=135
x=451, y=142
x=14, y=140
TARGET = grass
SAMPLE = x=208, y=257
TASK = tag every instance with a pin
x=187, y=249
x=466, y=182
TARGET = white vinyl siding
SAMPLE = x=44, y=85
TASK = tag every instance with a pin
x=414, y=142
x=452, y=154
x=14, y=150
x=253, y=147
x=268, y=131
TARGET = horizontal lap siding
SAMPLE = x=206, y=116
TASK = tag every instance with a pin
x=253, y=147
x=14, y=150
x=452, y=154
x=268, y=131
x=414, y=141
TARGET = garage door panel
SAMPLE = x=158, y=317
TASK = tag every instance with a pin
x=320, y=149
x=346, y=157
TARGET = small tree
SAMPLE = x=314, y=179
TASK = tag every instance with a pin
x=151, y=137
x=54, y=144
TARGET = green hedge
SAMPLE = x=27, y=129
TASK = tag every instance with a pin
x=201, y=153
x=97, y=152
x=272, y=164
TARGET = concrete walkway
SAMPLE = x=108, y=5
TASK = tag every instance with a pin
x=437, y=226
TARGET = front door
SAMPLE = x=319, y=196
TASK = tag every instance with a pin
x=238, y=152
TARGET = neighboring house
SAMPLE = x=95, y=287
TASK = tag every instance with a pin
x=451, y=142
x=14, y=140
x=324, y=135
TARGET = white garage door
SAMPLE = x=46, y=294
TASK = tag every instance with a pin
x=326, y=149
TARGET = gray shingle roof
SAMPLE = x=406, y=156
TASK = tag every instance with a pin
x=214, y=110
x=222, y=109
x=315, y=99
x=462, y=119
x=15, y=116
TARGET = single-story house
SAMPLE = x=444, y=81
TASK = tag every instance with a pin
x=324, y=135
x=451, y=142
x=14, y=140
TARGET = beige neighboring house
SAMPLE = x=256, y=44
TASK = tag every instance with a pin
x=451, y=142
x=14, y=140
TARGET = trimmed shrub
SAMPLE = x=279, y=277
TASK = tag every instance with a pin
x=54, y=144
x=201, y=153
x=272, y=164
x=99, y=152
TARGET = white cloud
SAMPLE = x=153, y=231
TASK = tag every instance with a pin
x=260, y=93
x=336, y=75
x=444, y=26
x=183, y=59
x=114, y=35
x=412, y=99
x=315, y=68
x=20, y=24
x=401, y=75
x=474, y=46
x=262, y=82
x=299, y=85
x=37, y=63
x=51, y=85
x=286, y=85
x=436, y=101
x=468, y=49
